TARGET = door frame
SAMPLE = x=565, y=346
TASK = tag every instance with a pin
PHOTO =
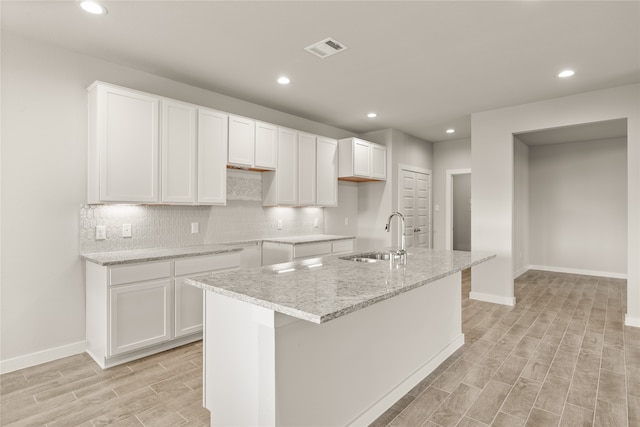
x=409, y=168
x=448, y=197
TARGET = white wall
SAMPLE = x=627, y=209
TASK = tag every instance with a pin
x=493, y=181
x=346, y=211
x=44, y=157
x=375, y=201
x=447, y=155
x=520, y=208
x=578, y=207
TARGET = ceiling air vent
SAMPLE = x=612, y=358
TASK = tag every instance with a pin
x=326, y=47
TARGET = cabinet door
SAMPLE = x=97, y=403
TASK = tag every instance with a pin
x=361, y=158
x=287, y=170
x=139, y=315
x=241, y=141
x=326, y=172
x=212, y=157
x=188, y=308
x=378, y=161
x=127, y=138
x=178, y=140
x=266, y=146
x=306, y=169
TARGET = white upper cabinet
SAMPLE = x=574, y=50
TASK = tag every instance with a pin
x=361, y=160
x=266, y=146
x=252, y=144
x=242, y=139
x=306, y=169
x=178, y=141
x=123, y=145
x=326, y=172
x=378, y=161
x=148, y=149
x=287, y=170
x=280, y=187
x=306, y=173
x=212, y=156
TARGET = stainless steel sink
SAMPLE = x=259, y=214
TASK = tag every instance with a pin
x=370, y=257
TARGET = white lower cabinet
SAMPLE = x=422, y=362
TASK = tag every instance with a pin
x=139, y=316
x=134, y=310
x=188, y=320
x=276, y=253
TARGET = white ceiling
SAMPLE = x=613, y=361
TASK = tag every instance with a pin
x=581, y=133
x=423, y=66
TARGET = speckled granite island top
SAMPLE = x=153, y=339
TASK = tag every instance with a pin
x=321, y=289
x=145, y=255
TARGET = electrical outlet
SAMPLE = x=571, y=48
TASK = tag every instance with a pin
x=315, y=222
x=195, y=228
x=101, y=232
x=126, y=230
x=279, y=224
x=346, y=220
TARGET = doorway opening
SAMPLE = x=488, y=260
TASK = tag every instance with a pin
x=458, y=209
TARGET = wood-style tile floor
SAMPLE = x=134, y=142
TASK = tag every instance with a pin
x=160, y=390
x=561, y=356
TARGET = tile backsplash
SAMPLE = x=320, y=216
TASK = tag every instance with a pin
x=153, y=226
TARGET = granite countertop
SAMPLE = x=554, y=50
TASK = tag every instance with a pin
x=301, y=240
x=157, y=254
x=143, y=255
x=321, y=289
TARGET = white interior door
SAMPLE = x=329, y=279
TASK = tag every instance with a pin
x=415, y=205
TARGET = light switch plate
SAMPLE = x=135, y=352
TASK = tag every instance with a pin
x=279, y=224
x=315, y=222
x=101, y=232
x=126, y=230
x=195, y=227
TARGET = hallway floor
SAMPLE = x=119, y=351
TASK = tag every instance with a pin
x=561, y=356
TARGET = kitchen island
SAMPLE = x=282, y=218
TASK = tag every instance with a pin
x=327, y=341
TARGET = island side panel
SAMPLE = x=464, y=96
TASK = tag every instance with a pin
x=234, y=362
x=351, y=369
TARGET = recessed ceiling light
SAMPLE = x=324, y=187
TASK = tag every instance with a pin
x=566, y=73
x=451, y=130
x=93, y=8
x=372, y=115
x=284, y=80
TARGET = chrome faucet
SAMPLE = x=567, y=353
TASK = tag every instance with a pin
x=403, y=248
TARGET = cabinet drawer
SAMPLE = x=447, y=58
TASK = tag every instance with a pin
x=139, y=272
x=342, y=246
x=310, y=250
x=207, y=263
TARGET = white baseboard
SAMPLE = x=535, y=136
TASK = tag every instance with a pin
x=371, y=414
x=520, y=272
x=40, y=357
x=631, y=321
x=495, y=299
x=579, y=271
